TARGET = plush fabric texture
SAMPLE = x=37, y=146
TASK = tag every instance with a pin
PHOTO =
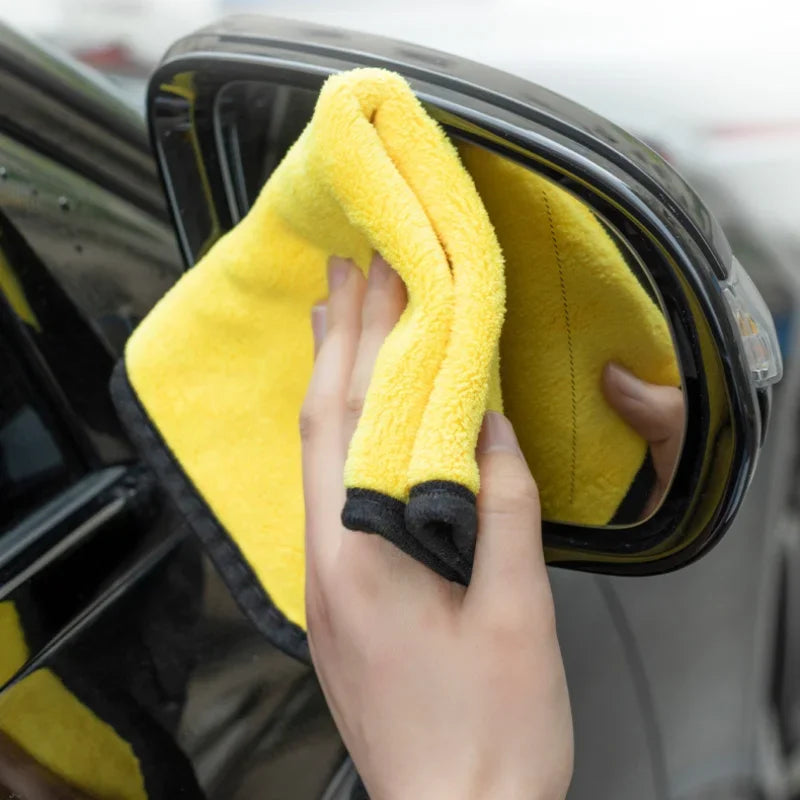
x=573, y=305
x=217, y=372
x=52, y=726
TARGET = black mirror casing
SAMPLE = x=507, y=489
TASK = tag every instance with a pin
x=620, y=178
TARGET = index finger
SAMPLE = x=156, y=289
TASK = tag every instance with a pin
x=323, y=414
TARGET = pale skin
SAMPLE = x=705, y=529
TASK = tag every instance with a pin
x=437, y=690
x=657, y=414
x=440, y=690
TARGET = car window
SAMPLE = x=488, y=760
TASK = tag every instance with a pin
x=33, y=464
x=39, y=455
x=82, y=267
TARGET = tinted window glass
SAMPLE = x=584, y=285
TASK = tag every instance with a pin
x=33, y=466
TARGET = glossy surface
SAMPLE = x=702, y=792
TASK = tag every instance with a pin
x=120, y=616
x=322, y=47
x=34, y=464
x=549, y=135
x=683, y=687
x=66, y=111
x=257, y=122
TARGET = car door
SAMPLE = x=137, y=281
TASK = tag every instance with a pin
x=671, y=676
x=118, y=643
x=104, y=594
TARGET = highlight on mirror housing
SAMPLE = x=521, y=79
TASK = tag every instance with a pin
x=578, y=297
x=636, y=356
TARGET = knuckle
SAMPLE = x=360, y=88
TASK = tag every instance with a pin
x=310, y=420
x=316, y=413
x=354, y=407
x=507, y=484
x=520, y=622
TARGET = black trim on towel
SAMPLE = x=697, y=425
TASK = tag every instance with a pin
x=245, y=587
x=442, y=516
x=368, y=511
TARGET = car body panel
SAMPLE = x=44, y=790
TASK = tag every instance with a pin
x=114, y=598
x=670, y=677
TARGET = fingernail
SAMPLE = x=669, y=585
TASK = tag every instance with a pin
x=626, y=381
x=497, y=433
x=338, y=270
x=318, y=317
x=379, y=271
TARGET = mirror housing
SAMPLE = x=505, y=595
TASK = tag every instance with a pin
x=722, y=334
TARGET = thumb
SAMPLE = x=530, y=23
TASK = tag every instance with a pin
x=654, y=412
x=508, y=554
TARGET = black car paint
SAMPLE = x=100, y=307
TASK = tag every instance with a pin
x=94, y=570
x=105, y=577
x=114, y=596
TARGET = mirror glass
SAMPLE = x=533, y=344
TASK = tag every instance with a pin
x=589, y=373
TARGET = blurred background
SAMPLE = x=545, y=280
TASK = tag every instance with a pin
x=712, y=652
x=713, y=85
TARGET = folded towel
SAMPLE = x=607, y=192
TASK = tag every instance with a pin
x=213, y=379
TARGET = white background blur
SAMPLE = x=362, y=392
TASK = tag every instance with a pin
x=716, y=83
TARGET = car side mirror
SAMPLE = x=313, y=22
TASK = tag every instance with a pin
x=226, y=104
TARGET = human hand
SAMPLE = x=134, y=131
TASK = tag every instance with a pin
x=657, y=414
x=437, y=690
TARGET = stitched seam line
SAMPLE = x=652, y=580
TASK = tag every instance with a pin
x=443, y=493
x=360, y=500
x=565, y=305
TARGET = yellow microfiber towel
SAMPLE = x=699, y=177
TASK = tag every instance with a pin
x=213, y=379
x=574, y=305
x=60, y=733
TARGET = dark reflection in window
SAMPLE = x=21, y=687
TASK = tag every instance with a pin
x=258, y=123
x=57, y=346
x=32, y=465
